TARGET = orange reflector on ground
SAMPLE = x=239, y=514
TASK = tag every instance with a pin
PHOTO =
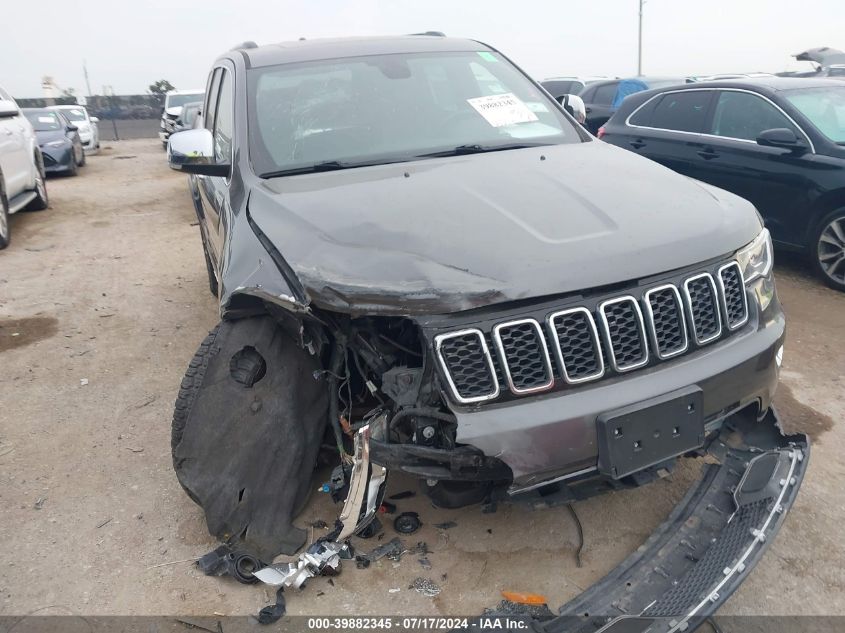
x=524, y=598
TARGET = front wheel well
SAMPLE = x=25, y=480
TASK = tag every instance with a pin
x=830, y=201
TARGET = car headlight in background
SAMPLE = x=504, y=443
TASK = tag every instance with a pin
x=756, y=262
x=61, y=143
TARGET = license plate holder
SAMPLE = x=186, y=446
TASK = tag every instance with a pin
x=649, y=432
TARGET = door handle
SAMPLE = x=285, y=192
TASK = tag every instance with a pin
x=708, y=154
x=637, y=144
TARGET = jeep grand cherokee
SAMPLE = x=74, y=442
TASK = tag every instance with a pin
x=425, y=264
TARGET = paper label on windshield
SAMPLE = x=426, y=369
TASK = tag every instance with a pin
x=502, y=110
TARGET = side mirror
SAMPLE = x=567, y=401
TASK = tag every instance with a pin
x=71, y=128
x=192, y=152
x=575, y=106
x=95, y=119
x=782, y=138
x=8, y=108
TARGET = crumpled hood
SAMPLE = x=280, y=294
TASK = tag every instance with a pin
x=443, y=235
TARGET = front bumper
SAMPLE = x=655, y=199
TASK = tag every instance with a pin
x=709, y=543
x=57, y=160
x=681, y=575
x=550, y=437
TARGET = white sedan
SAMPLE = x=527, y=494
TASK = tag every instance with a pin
x=89, y=132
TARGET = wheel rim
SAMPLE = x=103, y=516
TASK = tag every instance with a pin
x=39, y=187
x=831, y=250
x=4, y=220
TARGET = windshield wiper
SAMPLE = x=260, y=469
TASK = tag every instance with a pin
x=329, y=165
x=461, y=150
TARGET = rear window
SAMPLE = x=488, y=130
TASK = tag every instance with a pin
x=681, y=111
x=604, y=95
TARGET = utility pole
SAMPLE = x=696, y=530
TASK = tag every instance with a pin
x=640, y=43
x=85, y=72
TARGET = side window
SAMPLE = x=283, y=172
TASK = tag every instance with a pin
x=643, y=114
x=682, y=111
x=604, y=95
x=224, y=120
x=211, y=98
x=743, y=115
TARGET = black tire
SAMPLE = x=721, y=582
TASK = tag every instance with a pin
x=191, y=383
x=457, y=494
x=827, y=249
x=41, y=200
x=82, y=160
x=74, y=166
x=5, y=229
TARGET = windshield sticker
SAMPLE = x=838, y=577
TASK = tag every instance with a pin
x=45, y=119
x=502, y=110
x=536, y=106
x=487, y=57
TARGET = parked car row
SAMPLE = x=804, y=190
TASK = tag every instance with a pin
x=180, y=107
x=21, y=166
x=35, y=142
x=777, y=142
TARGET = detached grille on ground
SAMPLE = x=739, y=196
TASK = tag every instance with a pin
x=468, y=365
x=704, y=308
x=625, y=333
x=622, y=334
x=524, y=355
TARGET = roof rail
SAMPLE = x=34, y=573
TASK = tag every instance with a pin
x=247, y=44
x=432, y=33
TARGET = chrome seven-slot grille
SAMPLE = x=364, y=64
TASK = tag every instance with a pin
x=577, y=345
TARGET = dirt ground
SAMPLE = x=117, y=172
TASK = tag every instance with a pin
x=104, y=299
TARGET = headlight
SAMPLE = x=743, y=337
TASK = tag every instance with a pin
x=756, y=260
x=57, y=143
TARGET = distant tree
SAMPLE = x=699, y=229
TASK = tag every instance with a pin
x=161, y=86
x=70, y=93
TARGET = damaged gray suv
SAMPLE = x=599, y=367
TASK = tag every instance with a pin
x=425, y=265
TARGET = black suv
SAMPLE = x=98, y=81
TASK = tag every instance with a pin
x=421, y=267
x=778, y=142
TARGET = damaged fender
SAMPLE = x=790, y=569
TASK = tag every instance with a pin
x=243, y=395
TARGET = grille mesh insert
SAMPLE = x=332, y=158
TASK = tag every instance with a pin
x=467, y=364
x=522, y=348
x=667, y=316
x=735, y=306
x=704, y=308
x=578, y=346
x=624, y=334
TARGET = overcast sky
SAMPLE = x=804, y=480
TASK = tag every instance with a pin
x=128, y=44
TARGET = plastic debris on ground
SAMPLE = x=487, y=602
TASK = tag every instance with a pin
x=407, y=523
x=273, y=612
x=446, y=525
x=426, y=587
x=225, y=561
x=405, y=494
x=524, y=598
x=506, y=607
